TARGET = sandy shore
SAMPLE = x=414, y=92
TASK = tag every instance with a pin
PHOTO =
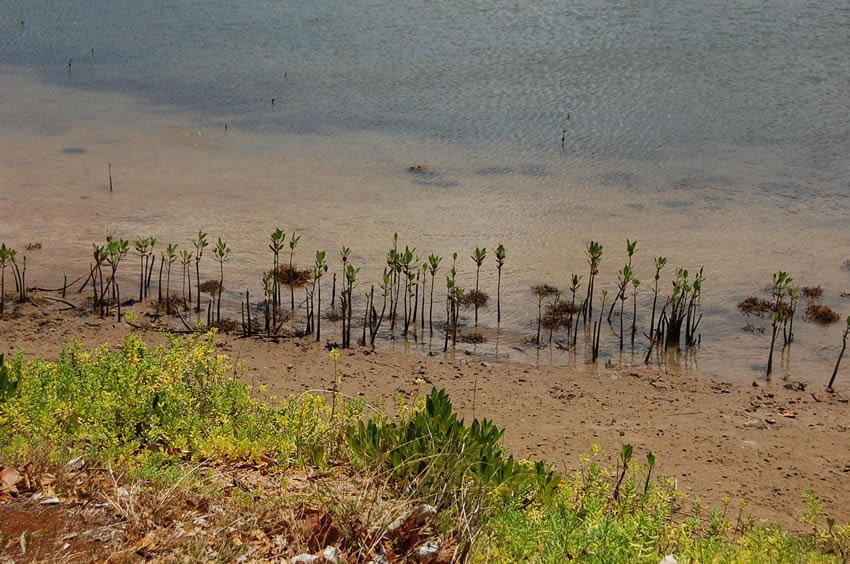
x=765, y=444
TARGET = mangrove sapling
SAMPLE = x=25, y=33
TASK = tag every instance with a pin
x=222, y=255
x=630, y=250
x=433, y=266
x=478, y=257
x=660, y=263
x=5, y=259
x=200, y=244
x=185, y=261
x=170, y=256
x=597, y=328
x=840, y=355
x=500, y=262
x=321, y=267
x=781, y=311
x=293, y=242
x=278, y=238
x=594, y=259
x=635, y=286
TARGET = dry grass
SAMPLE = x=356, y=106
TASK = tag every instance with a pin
x=812, y=293
x=293, y=276
x=473, y=339
x=559, y=313
x=544, y=290
x=212, y=512
x=474, y=298
x=756, y=306
x=821, y=314
x=209, y=287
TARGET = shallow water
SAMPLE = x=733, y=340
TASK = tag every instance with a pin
x=715, y=134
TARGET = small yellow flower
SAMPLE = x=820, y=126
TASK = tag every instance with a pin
x=334, y=354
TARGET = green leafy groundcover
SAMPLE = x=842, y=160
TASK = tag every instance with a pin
x=157, y=408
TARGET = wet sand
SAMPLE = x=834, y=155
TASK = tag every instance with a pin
x=764, y=444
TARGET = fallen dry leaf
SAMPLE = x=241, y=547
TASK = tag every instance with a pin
x=9, y=478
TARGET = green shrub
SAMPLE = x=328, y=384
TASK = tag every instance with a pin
x=179, y=399
x=433, y=452
x=584, y=521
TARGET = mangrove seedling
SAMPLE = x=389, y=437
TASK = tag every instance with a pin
x=781, y=311
x=170, y=255
x=424, y=285
x=321, y=267
x=478, y=257
x=597, y=328
x=200, y=244
x=268, y=295
x=293, y=242
x=344, y=253
x=185, y=262
x=375, y=319
x=630, y=251
x=278, y=238
x=500, y=262
x=350, y=279
x=650, y=464
x=624, y=277
x=141, y=246
x=660, y=263
x=222, y=255
x=625, y=457
x=433, y=266
x=406, y=259
x=794, y=297
x=99, y=256
x=840, y=355
x=635, y=286
x=20, y=274
x=5, y=258
x=575, y=284
x=542, y=291
x=116, y=251
x=594, y=259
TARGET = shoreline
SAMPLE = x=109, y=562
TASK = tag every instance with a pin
x=765, y=444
